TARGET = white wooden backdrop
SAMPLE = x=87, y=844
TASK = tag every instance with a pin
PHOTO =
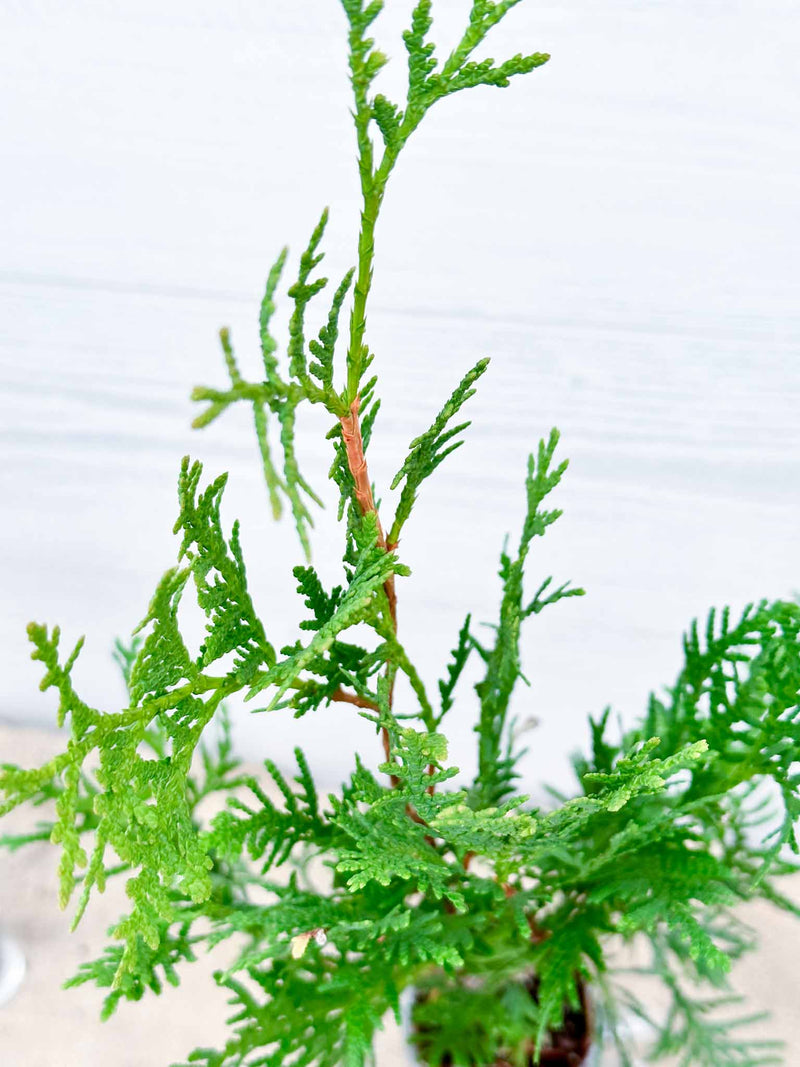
x=619, y=231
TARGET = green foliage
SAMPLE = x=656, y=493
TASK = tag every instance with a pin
x=496, y=913
x=568, y=956
x=460, y=655
x=137, y=798
x=362, y=602
x=739, y=690
x=266, y=832
x=427, y=84
x=218, y=570
x=699, y=1038
x=428, y=450
x=479, y=1023
x=280, y=397
x=148, y=968
x=496, y=756
x=395, y=123
x=282, y=1020
x=701, y=1031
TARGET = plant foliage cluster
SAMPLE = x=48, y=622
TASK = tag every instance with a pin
x=402, y=880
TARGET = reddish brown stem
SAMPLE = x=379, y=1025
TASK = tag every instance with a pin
x=357, y=463
x=342, y=696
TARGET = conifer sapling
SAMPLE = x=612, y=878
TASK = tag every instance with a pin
x=499, y=916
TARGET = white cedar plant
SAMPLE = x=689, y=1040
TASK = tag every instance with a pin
x=458, y=893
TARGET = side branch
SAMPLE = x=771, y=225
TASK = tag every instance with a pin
x=342, y=696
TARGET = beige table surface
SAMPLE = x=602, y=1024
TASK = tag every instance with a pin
x=44, y=1026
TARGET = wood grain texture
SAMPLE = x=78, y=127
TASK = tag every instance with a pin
x=618, y=231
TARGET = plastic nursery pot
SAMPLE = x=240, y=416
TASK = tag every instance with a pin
x=571, y=1046
x=12, y=967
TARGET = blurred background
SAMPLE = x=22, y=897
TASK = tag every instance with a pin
x=618, y=231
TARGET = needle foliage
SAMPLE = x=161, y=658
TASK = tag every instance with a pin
x=497, y=912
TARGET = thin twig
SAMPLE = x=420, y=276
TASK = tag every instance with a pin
x=342, y=696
